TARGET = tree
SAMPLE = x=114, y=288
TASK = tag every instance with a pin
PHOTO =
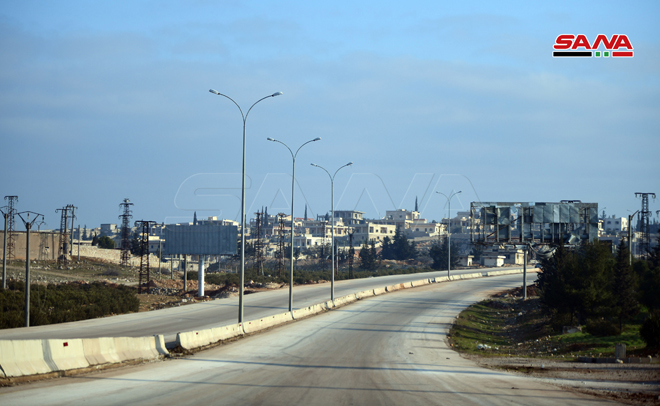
x=477, y=251
x=624, y=286
x=387, y=249
x=106, y=242
x=439, y=253
x=136, y=245
x=649, y=276
x=578, y=284
x=368, y=257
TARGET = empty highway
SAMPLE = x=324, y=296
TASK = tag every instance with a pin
x=384, y=350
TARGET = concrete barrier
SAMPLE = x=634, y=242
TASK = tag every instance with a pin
x=136, y=348
x=253, y=326
x=344, y=300
x=420, y=282
x=63, y=355
x=364, y=293
x=392, y=288
x=23, y=357
x=309, y=311
x=380, y=291
x=227, y=332
x=440, y=279
x=194, y=339
x=99, y=351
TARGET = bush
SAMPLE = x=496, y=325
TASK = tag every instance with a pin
x=650, y=330
x=63, y=303
x=602, y=328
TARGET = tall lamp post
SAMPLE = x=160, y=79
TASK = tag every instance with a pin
x=449, y=228
x=630, y=219
x=332, y=199
x=293, y=189
x=242, y=280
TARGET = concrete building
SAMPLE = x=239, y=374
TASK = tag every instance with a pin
x=493, y=260
x=350, y=217
x=615, y=225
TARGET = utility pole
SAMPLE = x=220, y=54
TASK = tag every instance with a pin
x=11, y=227
x=159, y=255
x=351, y=254
x=645, y=223
x=144, y=251
x=5, y=214
x=630, y=217
x=64, y=238
x=28, y=225
x=125, y=232
x=73, y=217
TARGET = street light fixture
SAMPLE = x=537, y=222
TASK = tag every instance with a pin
x=242, y=280
x=449, y=228
x=293, y=189
x=332, y=199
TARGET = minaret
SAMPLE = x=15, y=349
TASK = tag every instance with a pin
x=305, y=211
x=416, y=207
x=195, y=219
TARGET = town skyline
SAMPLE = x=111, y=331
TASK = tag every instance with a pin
x=105, y=102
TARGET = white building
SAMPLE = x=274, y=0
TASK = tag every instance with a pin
x=613, y=225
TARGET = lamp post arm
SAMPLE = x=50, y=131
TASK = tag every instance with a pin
x=287, y=147
x=244, y=116
x=315, y=139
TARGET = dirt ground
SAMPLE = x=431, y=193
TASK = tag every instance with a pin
x=634, y=384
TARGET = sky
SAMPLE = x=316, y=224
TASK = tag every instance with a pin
x=106, y=100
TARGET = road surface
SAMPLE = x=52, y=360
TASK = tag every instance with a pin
x=213, y=313
x=384, y=350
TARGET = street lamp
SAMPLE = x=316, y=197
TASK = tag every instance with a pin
x=293, y=189
x=332, y=199
x=449, y=228
x=242, y=282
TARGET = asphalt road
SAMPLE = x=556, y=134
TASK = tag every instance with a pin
x=213, y=313
x=384, y=350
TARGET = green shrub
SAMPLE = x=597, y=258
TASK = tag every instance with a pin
x=63, y=303
x=602, y=328
x=650, y=330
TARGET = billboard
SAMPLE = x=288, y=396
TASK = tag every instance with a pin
x=206, y=239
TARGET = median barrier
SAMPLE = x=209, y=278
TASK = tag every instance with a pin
x=392, y=288
x=194, y=339
x=341, y=301
x=420, y=282
x=330, y=304
x=135, y=348
x=227, y=332
x=160, y=345
x=22, y=357
x=63, y=355
x=263, y=323
x=100, y=351
x=440, y=279
x=364, y=293
x=309, y=311
x=379, y=291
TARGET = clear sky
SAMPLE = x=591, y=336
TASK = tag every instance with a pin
x=106, y=100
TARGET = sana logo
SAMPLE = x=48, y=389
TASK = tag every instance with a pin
x=572, y=46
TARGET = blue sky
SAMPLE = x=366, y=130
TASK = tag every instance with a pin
x=106, y=100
